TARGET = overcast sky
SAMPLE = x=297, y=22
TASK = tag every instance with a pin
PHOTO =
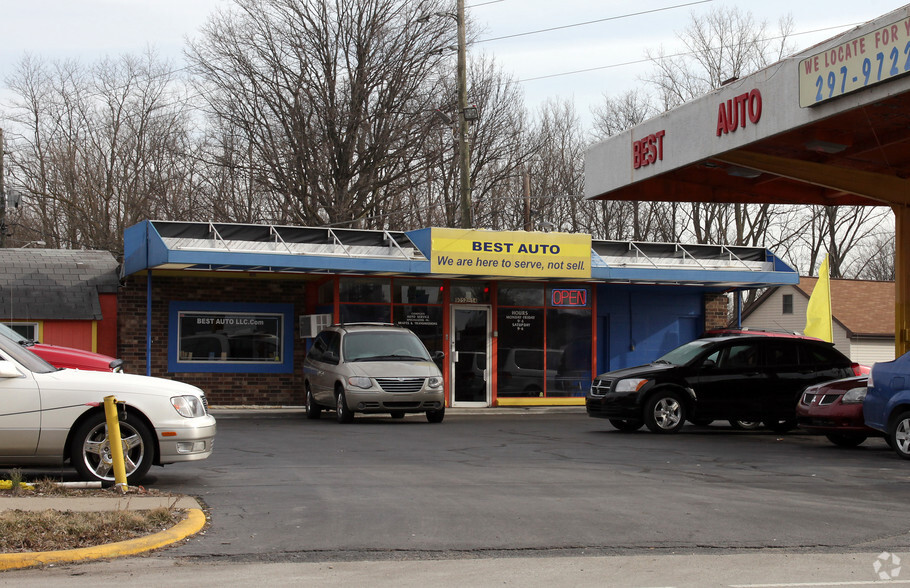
x=90, y=29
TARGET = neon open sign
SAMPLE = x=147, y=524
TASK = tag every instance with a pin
x=569, y=297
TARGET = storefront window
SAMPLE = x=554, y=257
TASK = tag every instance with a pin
x=366, y=313
x=225, y=337
x=230, y=337
x=569, y=341
x=365, y=300
x=426, y=322
x=326, y=292
x=470, y=293
x=520, y=359
x=520, y=295
x=418, y=292
x=365, y=290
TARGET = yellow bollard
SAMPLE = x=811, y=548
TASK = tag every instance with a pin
x=116, y=443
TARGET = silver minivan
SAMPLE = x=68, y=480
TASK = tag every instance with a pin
x=371, y=368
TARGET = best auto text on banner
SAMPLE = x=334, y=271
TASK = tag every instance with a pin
x=510, y=253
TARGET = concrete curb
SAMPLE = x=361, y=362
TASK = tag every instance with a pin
x=194, y=522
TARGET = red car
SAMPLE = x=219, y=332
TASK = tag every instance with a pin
x=65, y=357
x=835, y=409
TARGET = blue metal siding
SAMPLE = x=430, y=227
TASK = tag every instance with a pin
x=645, y=322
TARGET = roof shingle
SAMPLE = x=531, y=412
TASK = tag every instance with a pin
x=55, y=283
x=863, y=307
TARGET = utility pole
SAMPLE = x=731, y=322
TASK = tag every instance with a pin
x=464, y=148
x=2, y=197
x=526, y=180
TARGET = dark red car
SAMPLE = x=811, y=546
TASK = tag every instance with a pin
x=65, y=357
x=835, y=409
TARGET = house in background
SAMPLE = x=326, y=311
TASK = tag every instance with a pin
x=863, y=315
x=61, y=296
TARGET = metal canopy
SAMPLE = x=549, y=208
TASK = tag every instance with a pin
x=849, y=149
x=223, y=247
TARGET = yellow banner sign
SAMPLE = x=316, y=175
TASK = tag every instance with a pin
x=855, y=64
x=510, y=253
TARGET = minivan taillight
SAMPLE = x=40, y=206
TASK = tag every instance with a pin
x=856, y=369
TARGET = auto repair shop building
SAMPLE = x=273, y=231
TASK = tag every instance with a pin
x=515, y=318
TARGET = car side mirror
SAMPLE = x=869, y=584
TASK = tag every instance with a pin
x=439, y=355
x=709, y=363
x=8, y=370
x=330, y=357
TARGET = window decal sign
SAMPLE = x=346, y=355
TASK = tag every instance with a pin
x=510, y=253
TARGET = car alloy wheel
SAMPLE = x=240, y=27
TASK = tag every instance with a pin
x=313, y=410
x=900, y=435
x=665, y=413
x=90, y=451
x=342, y=412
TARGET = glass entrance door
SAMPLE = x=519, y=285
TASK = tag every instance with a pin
x=470, y=356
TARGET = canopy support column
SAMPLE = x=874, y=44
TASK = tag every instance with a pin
x=901, y=279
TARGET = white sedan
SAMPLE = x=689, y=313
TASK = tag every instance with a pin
x=49, y=416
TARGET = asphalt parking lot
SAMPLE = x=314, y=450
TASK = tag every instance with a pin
x=525, y=483
x=515, y=484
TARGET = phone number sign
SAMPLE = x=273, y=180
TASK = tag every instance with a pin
x=853, y=65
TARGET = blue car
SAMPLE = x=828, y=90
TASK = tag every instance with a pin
x=887, y=403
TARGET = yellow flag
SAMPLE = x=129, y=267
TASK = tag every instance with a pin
x=818, y=313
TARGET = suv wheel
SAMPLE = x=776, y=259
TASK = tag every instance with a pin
x=746, y=425
x=626, y=425
x=781, y=426
x=899, y=434
x=342, y=412
x=313, y=410
x=846, y=439
x=665, y=413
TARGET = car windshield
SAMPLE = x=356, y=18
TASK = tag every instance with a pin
x=685, y=353
x=25, y=357
x=9, y=333
x=383, y=346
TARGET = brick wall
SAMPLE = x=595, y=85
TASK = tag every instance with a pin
x=220, y=388
x=716, y=311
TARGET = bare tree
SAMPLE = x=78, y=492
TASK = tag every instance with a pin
x=333, y=98
x=723, y=44
x=840, y=233
x=616, y=115
x=98, y=149
x=876, y=258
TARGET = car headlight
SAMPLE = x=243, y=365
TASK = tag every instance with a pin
x=360, y=382
x=854, y=396
x=631, y=384
x=188, y=406
x=434, y=382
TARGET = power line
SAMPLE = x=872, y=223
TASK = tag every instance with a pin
x=682, y=54
x=581, y=24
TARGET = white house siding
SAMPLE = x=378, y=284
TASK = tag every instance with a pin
x=869, y=351
x=769, y=316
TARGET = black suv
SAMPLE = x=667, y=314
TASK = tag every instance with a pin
x=738, y=378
